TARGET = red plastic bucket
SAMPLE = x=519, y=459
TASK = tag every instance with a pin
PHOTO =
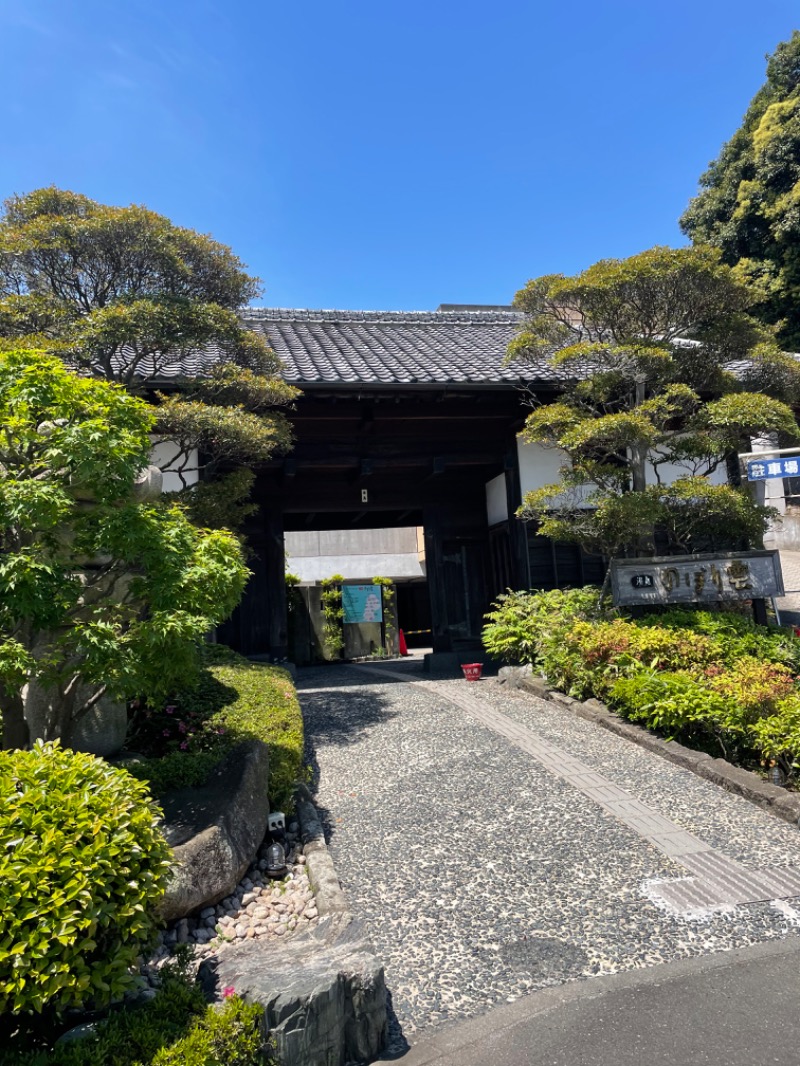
x=472, y=671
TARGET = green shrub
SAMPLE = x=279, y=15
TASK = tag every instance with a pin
x=709, y=677
x=234, y=700
x=736, y=634
x=777, y=736
x=229, y=1037
x=671, y=703
x=175, y=1027
x=83, y=865
x=587, y=658
x=332, y=616
x=520, y=622
x=754, y=687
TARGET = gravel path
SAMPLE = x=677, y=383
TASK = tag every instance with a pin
x=481, y=875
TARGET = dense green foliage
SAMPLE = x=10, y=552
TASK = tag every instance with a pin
x=175, y=1027
x=83, y=866
x=388, y=596
x=98, y=593
x=648, y=340
x=332, y=616
x=749, y=200
x=713, y=679
x=122, y=293
x=518, y=625
x=234, y=700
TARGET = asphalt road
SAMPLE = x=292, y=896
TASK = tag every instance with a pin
x=736, y=1008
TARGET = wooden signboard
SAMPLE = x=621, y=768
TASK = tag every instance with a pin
x=696, y=578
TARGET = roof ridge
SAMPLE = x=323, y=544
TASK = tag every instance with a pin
x=304, y=314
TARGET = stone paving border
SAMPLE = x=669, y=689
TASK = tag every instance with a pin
x=717, y=881
x=321, y=871
x=771, y=798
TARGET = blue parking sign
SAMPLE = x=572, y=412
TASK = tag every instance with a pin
x=764, y=469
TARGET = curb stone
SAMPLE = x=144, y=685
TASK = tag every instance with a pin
x=321, y=871
x=323, y=992
x=772, y=798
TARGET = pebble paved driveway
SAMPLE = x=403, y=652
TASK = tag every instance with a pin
x=481, y=874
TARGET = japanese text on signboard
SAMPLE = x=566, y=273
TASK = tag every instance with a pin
x=698, y=578
x=763, y=469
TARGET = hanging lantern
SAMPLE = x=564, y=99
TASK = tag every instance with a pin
x=276, y=861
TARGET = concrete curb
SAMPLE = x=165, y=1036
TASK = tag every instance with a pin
x=321, y=871
x=772, y=798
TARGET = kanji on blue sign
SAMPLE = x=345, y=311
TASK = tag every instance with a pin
x=762, y=469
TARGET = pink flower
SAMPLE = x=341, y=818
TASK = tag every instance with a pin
x=169, y=710
x=181, y=727
x=228, y=991
x=183, y=745
x=165, y=733
x=221, y=729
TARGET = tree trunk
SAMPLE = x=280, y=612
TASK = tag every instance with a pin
x=733, y=470
x=15, y=729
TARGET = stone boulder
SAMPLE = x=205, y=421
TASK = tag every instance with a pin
x=513, y=676
x=215, y=831
x=323, y=994
x=102, y=730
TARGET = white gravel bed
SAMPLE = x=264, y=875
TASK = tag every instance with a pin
x=481, y=875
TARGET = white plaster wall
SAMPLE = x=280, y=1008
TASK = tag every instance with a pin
x=394, y=540
x=540, y=466
x=669, y=472
x=164, y=452
x=356, y=554
x=496, y=500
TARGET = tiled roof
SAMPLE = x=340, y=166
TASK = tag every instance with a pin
x=395, y=347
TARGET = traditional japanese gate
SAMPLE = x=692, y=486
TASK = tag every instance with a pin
x=403, y=420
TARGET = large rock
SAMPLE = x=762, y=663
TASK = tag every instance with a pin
x=102, y=729
x=324, y=1002
x=215, y=831
x=513, y=676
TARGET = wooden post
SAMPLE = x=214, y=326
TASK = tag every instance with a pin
x=760, y=612
x=275, y=566
x=432, y=521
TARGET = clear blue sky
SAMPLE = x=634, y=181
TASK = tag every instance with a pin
x=393, y=154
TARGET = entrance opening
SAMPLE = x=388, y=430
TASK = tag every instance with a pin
x=358, y=553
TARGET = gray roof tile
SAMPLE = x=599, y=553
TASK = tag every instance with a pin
x=380, y=348
x=394, y=347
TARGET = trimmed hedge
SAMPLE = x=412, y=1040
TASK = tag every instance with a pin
x=234, y=700
x=83, y=866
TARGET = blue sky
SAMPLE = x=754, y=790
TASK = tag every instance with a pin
x=386, y=155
